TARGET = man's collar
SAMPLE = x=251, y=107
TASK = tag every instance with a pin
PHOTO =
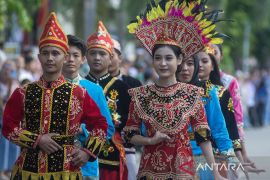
x=75, y=80
x=52, y=84
x=93, y=78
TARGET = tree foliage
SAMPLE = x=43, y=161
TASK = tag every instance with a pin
x=254, y=13
x=24, y=10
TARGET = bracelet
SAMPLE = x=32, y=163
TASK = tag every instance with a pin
x=230, y=156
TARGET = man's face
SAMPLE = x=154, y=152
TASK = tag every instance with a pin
x=98, y=60
x=51, y=59
x=116, y=61
x=74, y=61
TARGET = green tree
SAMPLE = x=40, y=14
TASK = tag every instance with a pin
x=254, y=13
x=116, y=19
x=24, y=10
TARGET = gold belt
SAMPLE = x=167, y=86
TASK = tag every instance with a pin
x=113, y=163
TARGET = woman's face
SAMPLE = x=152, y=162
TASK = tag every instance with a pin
x=165, y=62
x=217, y=53
x=206, y=66
x=186, y=70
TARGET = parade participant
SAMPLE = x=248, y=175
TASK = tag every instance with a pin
x=188, y=73
x=9, y=152
x=170, y=31
x=231, y=84
x=44, y=117
x=114, y=70
x=210, y=73
x=99, y=55
x=76, y=57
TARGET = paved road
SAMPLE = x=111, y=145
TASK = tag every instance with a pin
x=258, y=147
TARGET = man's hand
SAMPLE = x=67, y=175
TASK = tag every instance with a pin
x=48, y=145
x=79, y=157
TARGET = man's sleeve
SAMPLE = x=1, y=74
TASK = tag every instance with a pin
x=96, y=125
x=12, y=121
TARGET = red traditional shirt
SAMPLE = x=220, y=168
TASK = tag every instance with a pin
x=168, y=110
x=56, y=107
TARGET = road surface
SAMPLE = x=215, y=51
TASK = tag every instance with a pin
x=258, y=147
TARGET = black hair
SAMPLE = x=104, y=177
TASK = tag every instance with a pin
x=117, y=52
x=28, y=59
x=75, y=41
x=220, y=48
x=195, y=77
x=176, y=50
x=215, y=74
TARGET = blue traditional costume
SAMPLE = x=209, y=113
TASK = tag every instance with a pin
x=96, y=93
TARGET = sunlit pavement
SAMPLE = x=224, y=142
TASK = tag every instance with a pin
x=258, y=147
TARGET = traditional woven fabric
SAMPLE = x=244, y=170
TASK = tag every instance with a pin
x=100, y=39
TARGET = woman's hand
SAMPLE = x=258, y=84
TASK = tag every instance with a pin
x=158, y=137
x=217, y=175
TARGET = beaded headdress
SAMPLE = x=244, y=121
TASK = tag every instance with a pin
x=100, y=39
x=183, y=23
x=53, y=34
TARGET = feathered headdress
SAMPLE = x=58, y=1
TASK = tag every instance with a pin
x=183, y=23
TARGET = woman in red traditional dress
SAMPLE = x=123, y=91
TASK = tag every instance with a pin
x=171, y=31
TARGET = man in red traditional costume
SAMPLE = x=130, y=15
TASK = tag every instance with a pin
x=44, y=117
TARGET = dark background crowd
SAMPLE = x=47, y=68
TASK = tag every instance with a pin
x=246, y=51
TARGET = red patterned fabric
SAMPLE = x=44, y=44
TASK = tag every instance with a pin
x=22, y=126
x=53, y=34
x=179, y=33
x=108, y=174
x=100, y=39
x=168, y=110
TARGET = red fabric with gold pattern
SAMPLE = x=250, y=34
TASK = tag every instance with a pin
x=169, y=110
x=40, y=108
x=53, y=34
x=100, y=39
x=179, y=33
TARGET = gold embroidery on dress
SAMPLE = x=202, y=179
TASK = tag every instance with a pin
x=230, y=105
x=202, y=133
x=112, y=104
x=164, y=107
